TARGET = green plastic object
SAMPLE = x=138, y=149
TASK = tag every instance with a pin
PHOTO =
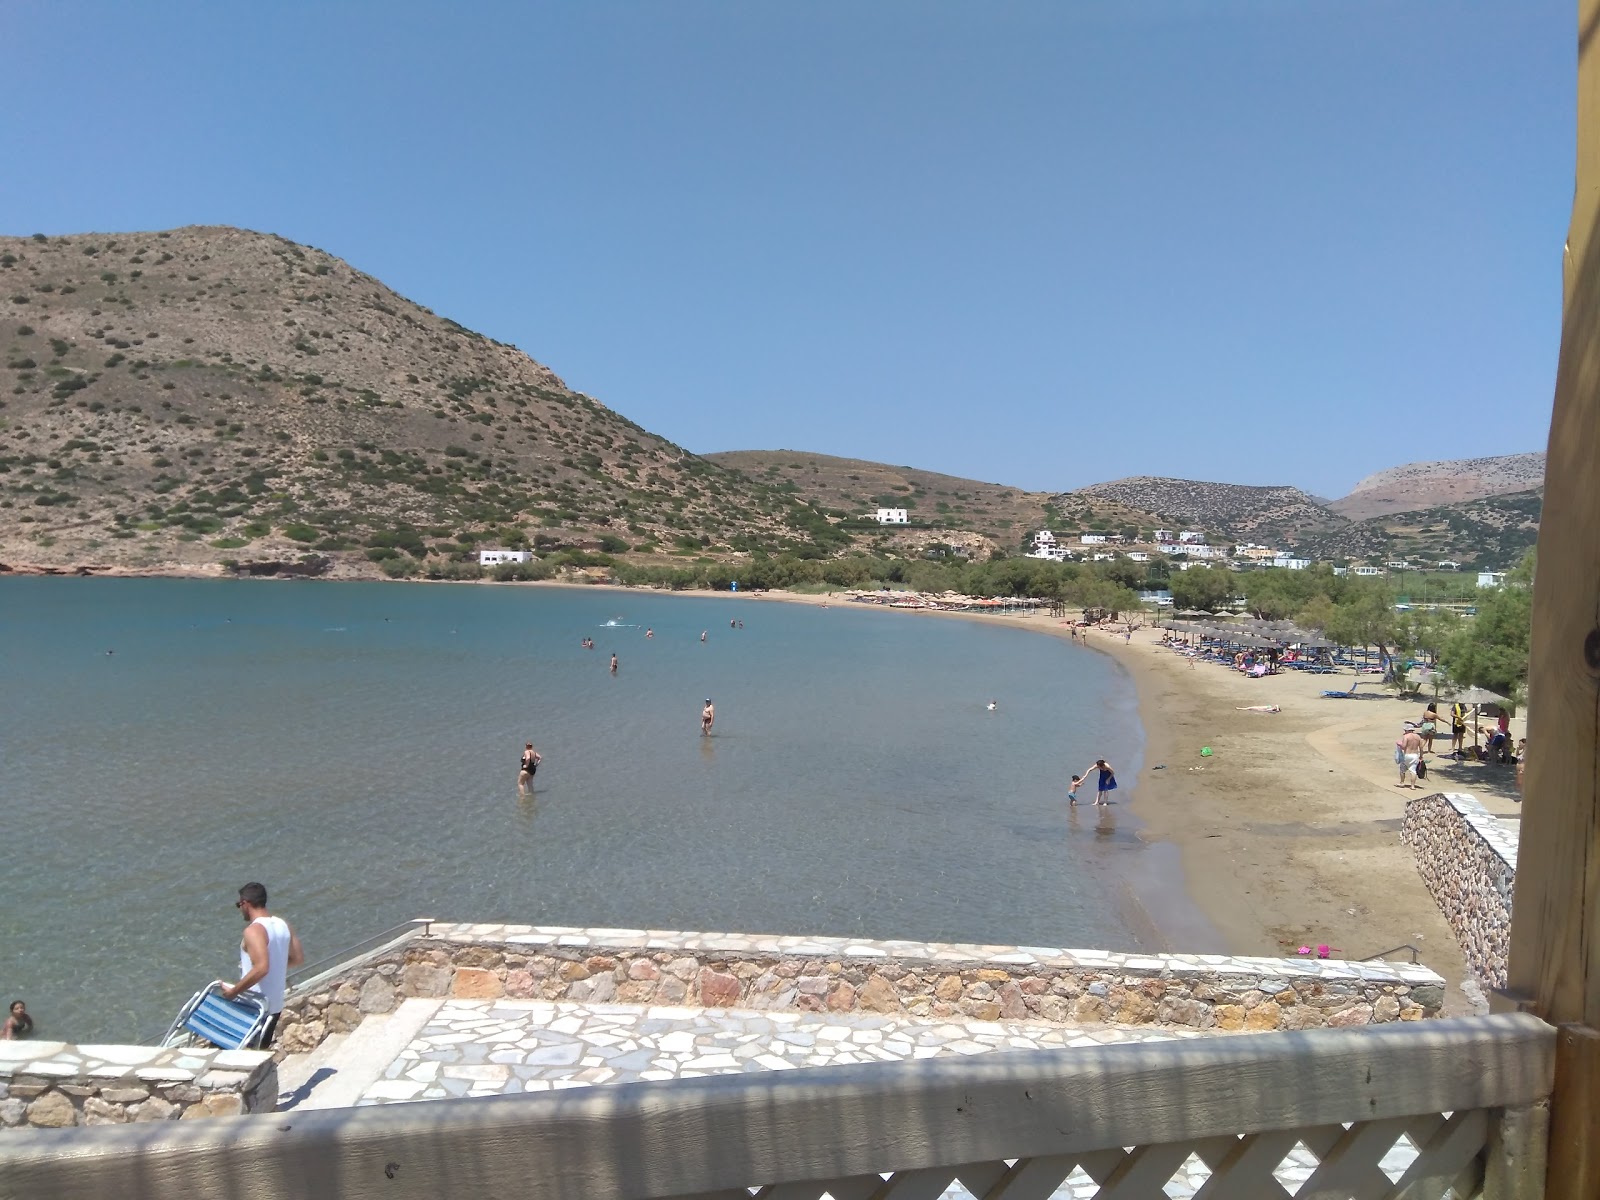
x=1205, y=751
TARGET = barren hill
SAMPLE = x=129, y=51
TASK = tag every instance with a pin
x=178, y=397
x=1226, y=509
x=847, y=487
x=1417, y=486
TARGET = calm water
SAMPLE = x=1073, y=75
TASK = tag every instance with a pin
x=354, y=746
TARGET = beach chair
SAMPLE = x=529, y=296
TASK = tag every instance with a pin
x=227, y=1024
x=1345, y=695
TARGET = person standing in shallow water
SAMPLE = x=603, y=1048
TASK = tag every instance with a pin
x=613, y=664
x=17, y=1023
x=1106, y=783
x=531, y=759
x=708, y=717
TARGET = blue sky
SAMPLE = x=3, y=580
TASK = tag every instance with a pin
x=1044, y=244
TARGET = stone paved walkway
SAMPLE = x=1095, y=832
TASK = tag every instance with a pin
x=491, y=1048
x=433, y=1049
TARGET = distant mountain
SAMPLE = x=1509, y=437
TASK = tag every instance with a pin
x=1227, y=510
x=1418, y=486
x=851, y=487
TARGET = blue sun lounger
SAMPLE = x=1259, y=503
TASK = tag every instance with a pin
x=228, y=1024
x=1344, y=695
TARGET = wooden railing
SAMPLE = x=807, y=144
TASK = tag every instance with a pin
x=1463, y=1098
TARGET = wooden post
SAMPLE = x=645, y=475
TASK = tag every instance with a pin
x=1555, y=933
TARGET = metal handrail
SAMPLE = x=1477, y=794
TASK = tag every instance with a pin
x=1385, y=953
x=305, y=970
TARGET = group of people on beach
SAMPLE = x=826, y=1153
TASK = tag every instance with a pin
x=1104, y=784
x=1416, y=744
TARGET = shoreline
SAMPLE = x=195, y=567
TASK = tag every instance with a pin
x=1286, y=836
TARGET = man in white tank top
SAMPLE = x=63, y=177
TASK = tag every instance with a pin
x=267, y=952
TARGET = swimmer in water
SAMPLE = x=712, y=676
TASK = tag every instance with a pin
x=992, y=706
x=702, y=635
x=649, y=633
x=708, y=717
x=613, y=664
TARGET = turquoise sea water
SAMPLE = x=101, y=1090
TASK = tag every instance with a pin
x=354, y=747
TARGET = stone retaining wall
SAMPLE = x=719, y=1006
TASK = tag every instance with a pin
x=53, y=1085
x=1196, y=991
x=1468, y=860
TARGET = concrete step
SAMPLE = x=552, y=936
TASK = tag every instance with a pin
x=337, y=1072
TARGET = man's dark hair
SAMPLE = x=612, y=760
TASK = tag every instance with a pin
x=254, y=894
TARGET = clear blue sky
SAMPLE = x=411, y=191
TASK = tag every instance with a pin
x=1042, y=244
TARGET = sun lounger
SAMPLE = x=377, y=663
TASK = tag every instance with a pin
x=1344, y=695
x=228, y=1024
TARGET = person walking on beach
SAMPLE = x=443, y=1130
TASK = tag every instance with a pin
x=529, y=766
x=266, y=953
x=613, y=664
x=708, y=717
x=1430, y=725
x=1106, y=783
x=1408, y=753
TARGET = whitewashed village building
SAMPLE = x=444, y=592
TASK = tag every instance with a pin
x=493, y=558
x=891, y=516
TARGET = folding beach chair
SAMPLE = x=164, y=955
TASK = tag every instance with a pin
x=229, y=1024
x=1344, y=695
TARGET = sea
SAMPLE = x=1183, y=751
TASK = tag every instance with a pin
x=354, y=747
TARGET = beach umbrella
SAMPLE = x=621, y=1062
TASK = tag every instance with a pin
x=1477, y=696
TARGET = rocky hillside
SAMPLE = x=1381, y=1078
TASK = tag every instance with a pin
x=1419, y=486
x=1226, y=510
x=181, y=397
x=852, y=487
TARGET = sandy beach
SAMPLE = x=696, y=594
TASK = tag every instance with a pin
x=1289, y=831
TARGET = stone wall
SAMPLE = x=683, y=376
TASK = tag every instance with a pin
x=1197, y=991
x=52, y=1085
x=1468, y=860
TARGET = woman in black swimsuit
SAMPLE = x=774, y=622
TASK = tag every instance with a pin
x=527, y=767
x=17, y=1024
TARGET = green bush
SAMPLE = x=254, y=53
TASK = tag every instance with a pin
x=300, y=533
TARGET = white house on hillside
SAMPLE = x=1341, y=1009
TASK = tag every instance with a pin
x=1290, y=563
x=1491, y=579
x=1366, y=571
x=1046, y=547
x=891, y=516
x=1161, y=535
x=1196, y=536
x=1092, y=539
x=493, y=558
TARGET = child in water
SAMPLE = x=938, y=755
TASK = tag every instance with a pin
x=1072, y=792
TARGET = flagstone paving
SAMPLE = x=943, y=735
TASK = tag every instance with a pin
x=434, y=1049
x=492, y=1048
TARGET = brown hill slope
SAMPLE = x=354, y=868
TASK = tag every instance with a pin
x=184, y=396
x=850, y=487
x=1418, y=486
x=1227, y=510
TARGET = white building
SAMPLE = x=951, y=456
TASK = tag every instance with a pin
x=1195, y=536
x=1138, y=556
x=1046, y=547
x=1341, y=570
x=1366, y=570
x=891, y=516
x=1398, y=565
x=1092, y=539
x=493, y=558
x=1161, y=535
x=1491, y=579
x=1449, y=564
x=1289, y=563
x=1192, y=549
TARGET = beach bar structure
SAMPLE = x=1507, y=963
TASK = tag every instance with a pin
x=1506, y=1106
